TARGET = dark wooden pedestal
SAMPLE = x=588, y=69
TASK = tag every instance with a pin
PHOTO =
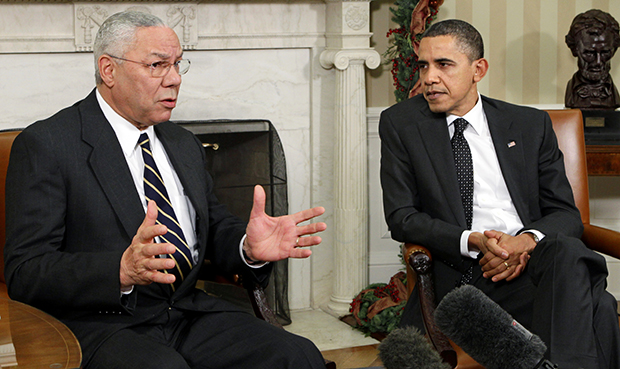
x=603, y=160
x=602, y=133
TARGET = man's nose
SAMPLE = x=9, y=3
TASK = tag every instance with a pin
x=430, y=76
x=172, y=78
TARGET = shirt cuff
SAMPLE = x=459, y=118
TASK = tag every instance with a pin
x=465, y=251
x=126, y=292
x=248, y=262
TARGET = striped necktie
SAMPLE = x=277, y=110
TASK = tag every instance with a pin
x=154, y=189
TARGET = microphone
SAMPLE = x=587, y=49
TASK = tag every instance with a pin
x=406, y=348
x=487, y=332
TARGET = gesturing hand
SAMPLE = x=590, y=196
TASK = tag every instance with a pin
x=276, y=238
x=139, y=263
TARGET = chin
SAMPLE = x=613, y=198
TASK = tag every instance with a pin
x=160, y=119
x=437, y=108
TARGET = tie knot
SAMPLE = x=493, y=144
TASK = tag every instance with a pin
x=143, y=141
x=459, y=125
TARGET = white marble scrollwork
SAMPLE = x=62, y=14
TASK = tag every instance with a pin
x=182, y=15
x=356, y=17
x=90, y=18
x=341, y=58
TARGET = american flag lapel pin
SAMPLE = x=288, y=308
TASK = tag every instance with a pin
x=511, y=144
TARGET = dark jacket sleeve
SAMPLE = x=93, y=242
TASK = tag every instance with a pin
x=41, y=268
x=414, y=202
x=551, y=204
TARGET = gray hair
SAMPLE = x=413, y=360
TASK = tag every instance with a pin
x=468, y=39
x=117, y=35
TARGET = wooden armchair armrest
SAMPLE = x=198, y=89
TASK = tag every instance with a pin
x=260, y=305
x=419, y=261
x=602, y=240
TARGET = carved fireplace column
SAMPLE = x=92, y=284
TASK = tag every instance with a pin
x=347, y=49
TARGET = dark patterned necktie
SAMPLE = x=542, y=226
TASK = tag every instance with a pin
x=464, y=168
x=465, y=174
x=154, y=189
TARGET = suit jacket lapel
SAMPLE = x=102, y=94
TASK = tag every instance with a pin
x=509, y=145
x=183, y=162
x=109, y=166
x=435, y=136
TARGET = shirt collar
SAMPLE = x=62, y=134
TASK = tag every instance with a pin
x=126, y=133
x=475, y=117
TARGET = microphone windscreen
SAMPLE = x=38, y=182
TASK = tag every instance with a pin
x=407, y=348
x=486, y=331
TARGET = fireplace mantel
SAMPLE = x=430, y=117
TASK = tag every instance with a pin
x=299, y=64
x=70, y=26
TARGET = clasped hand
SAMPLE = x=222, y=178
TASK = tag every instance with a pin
x=267, y=239
x=505, y=256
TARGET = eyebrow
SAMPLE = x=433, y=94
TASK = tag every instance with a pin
x=439, y=60
x=165, y=56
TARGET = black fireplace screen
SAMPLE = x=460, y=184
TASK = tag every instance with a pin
x=241, y=154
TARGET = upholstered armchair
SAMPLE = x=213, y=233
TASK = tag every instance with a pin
x=568, y=127
x=255, y=292
x=6, y=141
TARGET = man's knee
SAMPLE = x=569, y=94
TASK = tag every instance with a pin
x=119, y=352
x=302, y=353
x=563, y=252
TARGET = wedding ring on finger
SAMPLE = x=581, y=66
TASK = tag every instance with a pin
x=297, y=242
x=507, y=266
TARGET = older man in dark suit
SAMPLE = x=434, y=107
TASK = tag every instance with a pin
x=481, y=183
x=110, y=214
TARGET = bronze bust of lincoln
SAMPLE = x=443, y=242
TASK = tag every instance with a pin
x=594, y=37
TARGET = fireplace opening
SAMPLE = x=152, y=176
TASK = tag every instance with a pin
x=241, y=154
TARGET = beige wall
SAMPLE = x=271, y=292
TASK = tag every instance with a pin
x=524, y=41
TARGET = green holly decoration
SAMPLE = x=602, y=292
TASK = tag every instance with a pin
x=401, y=53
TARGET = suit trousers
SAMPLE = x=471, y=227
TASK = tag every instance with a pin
x=222, y=340
x=561, y=297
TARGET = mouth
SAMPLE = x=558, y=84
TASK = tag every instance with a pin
x=433, y=94
x=169, y=103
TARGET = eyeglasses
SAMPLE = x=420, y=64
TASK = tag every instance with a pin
x=161, y=68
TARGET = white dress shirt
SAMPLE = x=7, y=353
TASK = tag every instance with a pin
x=493, y=207
x=128, y=136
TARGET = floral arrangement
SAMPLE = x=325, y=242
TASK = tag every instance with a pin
x=377, y=308
x=413, y=16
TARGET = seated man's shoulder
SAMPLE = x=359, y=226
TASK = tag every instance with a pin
x=510, y=108
x=401, y=115
x=62, y=122
x=174, y=130
x=405, y=106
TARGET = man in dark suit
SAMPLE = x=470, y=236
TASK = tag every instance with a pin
x=493, y=203
x=80, y=246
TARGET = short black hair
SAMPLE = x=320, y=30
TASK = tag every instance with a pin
x=467, y=37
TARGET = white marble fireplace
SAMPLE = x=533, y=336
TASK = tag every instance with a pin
x=299, y=64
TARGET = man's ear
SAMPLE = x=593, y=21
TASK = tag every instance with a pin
x=481, y=67
x=107, y=70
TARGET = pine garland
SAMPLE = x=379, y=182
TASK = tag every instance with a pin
x=401, y=53
x=378, y=307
